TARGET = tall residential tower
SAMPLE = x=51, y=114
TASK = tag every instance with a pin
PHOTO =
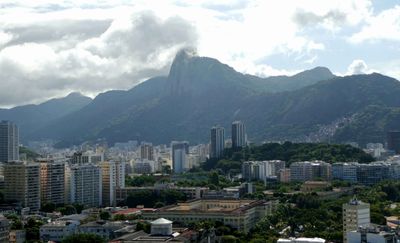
x=9, y=141
x=217, y=143
x=238, y=135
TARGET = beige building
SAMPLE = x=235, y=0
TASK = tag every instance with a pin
x=22, y=184
x=355, y=214
x=239, y=214
x=17, y=236
x=52, y=181
x=109, y=182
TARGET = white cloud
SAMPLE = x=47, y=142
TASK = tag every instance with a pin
x=5, y=38
x=358, y=66
x=130, y=50
x=48, y=49
x=384, y=26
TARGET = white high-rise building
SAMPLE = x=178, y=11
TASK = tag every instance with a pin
x=22, y=184
x=9, y=141
x=239, y=136
x=179, y=154
x=217, y=143
x=121, y=171
x=83, y=185
x=355, y=215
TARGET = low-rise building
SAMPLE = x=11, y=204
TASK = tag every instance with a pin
x=239, y=214
x=4, y=229
x=372, y=235
x=57, y=230
x=310, y=186
x=306, y=171
x=105, y=229
x=17, y=236
x=302, y=240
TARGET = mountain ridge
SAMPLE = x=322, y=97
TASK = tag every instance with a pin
x=200, y=92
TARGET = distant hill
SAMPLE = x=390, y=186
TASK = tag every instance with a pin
x=199, y=92
x=289, y=152
x=29, y=118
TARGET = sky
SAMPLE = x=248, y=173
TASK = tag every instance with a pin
x=51, y=48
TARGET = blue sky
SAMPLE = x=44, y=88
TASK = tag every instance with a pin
x=50, y=48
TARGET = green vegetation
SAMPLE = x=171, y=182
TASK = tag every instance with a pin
x=83, y=238
x=30, y=155
x=32, y=228
x=150, y=198
x=289, y=152
x=143, y=180
x=214, y=179
x=104, y=215
x=308, y=215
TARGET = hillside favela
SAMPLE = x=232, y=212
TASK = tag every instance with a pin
x=234, y=121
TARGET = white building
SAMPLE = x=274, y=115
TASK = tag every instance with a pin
x=83, y=185
x=261, y=170
x=179, y=152
x=161, y=226
x=57, y=230
x=302, y=240
x=145, y=166
x=355, y=214
x=371, y=235
x=120, y=167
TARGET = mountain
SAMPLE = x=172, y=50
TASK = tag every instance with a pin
x=303, y=79
x=200, y=92
x=328, y=109
x=32, y=117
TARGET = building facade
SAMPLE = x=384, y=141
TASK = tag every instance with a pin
x=355, y=214
x=9, y=141
x=146, y=151
x=22, y=184
x=393, y=141
x=179, y=154
x=217, y=142
x=239, y=137
x=52, y=181
x=238, y=214
x=308, y=171
x=83, y=185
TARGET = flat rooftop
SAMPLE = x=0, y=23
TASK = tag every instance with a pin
x=212, y=206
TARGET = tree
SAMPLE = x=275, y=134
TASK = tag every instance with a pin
x=104, y=215
x=32, y=228
x=229, y=239
x=48, y=207
x=83, y=238
x=119, y=217
x=142, y=225
x=214, y=178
